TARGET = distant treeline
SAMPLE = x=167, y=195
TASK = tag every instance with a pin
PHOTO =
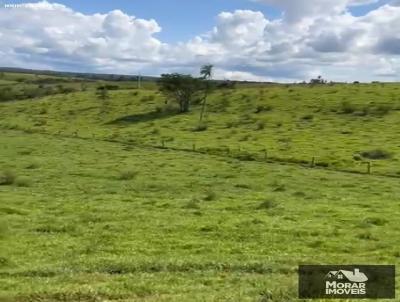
x=88, y=76
x=9, y=93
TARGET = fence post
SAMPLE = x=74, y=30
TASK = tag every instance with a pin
x=368, y=167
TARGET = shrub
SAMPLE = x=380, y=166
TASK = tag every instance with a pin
x=376, y=154
x=127, y=174
x=7, y=177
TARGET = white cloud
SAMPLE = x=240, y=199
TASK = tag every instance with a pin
x=297, y=10
x=313, y=37
x=57, y=36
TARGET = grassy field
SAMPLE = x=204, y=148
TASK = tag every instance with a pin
x=124, y=200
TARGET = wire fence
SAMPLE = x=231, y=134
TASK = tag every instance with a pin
x=238, y=153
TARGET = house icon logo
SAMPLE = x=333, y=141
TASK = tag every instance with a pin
x=345, y=282
x=344, y=275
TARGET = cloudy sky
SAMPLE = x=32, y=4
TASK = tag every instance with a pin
x=279, y=40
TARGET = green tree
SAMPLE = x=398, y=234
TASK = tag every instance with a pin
x=181, y=88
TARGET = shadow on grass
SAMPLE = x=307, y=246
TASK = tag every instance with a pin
x=143, y=117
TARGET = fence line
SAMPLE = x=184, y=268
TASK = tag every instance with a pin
x=263, y=156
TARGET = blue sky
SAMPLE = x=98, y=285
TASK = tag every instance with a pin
x=261, y=40
x=181, y=19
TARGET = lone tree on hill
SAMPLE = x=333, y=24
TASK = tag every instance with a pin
x=181, y=88
x=206, y=74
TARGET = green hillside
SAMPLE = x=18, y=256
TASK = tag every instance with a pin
x=341, y=125
x=123, y=199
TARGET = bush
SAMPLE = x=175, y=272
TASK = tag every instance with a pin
x=376, y=154
x=7, y=177
x=127, y=174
